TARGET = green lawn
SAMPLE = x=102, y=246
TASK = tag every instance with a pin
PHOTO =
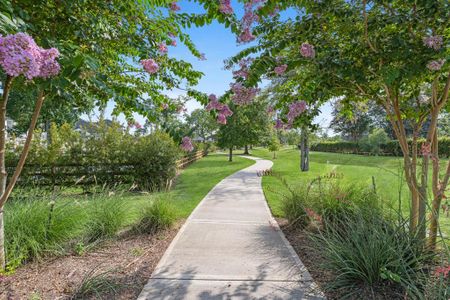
x=199, y=178
x=354, y=168
x=190, y=187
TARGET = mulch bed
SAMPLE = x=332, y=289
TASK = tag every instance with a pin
x=128, y=262
x=311, y=258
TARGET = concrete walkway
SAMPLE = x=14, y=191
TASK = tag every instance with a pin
x=231, y=248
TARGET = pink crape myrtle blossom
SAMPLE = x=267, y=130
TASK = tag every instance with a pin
x=307, y=50
x=270, y=109
x=434, y=42
x=224, y=112
x=435, y=65
x=150, y=65
x=295, y=109
x=20, y=55
x=213, y=104
x=137, y=125
x=221, y=119
x=49, y=66
x=186, y=144
x=225, y=7
x=246, y=36
x=174, y=6
x=279, y=70
x=173, y=43
x=243, y=72
x=172, y=35
x=162, y=48
x=165, y=106
x=279, y=124
x=243, y=95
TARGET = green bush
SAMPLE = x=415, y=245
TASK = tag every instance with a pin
x=154, y=161
x=370, y=251
x=36, y=227
x=105, y=217
x=158, y=215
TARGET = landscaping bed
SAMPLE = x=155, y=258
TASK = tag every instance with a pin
x=120, y=267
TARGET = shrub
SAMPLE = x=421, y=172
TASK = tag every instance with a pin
x=158, y=215
x=368, y=251
x=376, y=139
x=105, y=217
x=154, y=161
x=388, y=148
x=37, y=227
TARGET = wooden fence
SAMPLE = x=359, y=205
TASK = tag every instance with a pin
x=89, y=174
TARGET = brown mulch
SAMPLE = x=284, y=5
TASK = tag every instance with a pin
x=312, y=259
x=128, y=262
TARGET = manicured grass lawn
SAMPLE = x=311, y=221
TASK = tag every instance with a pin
x=356, y=169
x=190, y=187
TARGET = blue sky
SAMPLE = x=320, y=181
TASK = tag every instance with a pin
x=218, y=43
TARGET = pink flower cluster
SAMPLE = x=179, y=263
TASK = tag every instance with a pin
x=162, y=48
x=434, y=42
x=186, y=144
x=307, y=50
x=444, y=271
x=247, y=20
x=279, y=124
x=243, y=95
x=225, y=7
x=295, y=109
x=223, y=110
x=20, y=55
x=164, y=106
x=279, y=70
x=181, y=108
x=173, y=43
x=243, y=71
x=150, y=65
x=436, y=65
x=174, y=6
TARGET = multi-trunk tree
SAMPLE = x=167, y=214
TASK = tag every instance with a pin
x=392, y=52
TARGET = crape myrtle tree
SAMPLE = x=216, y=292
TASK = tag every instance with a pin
x=393, y=52
x=85, y=53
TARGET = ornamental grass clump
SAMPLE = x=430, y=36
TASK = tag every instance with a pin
x=38, y=227
x=371, y=252
x=106, y=216
x=158, y=215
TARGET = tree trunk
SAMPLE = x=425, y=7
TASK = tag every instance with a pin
x=304, y=151
x=3, y=174
x=230, y=156
x=274, y=154
x=246, y=150
x=26, y=148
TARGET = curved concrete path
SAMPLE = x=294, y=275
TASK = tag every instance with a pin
x=231, y=248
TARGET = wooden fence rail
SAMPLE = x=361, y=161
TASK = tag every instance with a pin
x=87, y=174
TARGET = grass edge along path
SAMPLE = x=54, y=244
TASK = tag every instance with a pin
x=387, y=171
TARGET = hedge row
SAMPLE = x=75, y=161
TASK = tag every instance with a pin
x=391, y=148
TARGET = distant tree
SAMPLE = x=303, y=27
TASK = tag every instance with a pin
x=274, y=145
x=375, y=139
x=249, y=125
x=202, y=124
x=352, y=126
